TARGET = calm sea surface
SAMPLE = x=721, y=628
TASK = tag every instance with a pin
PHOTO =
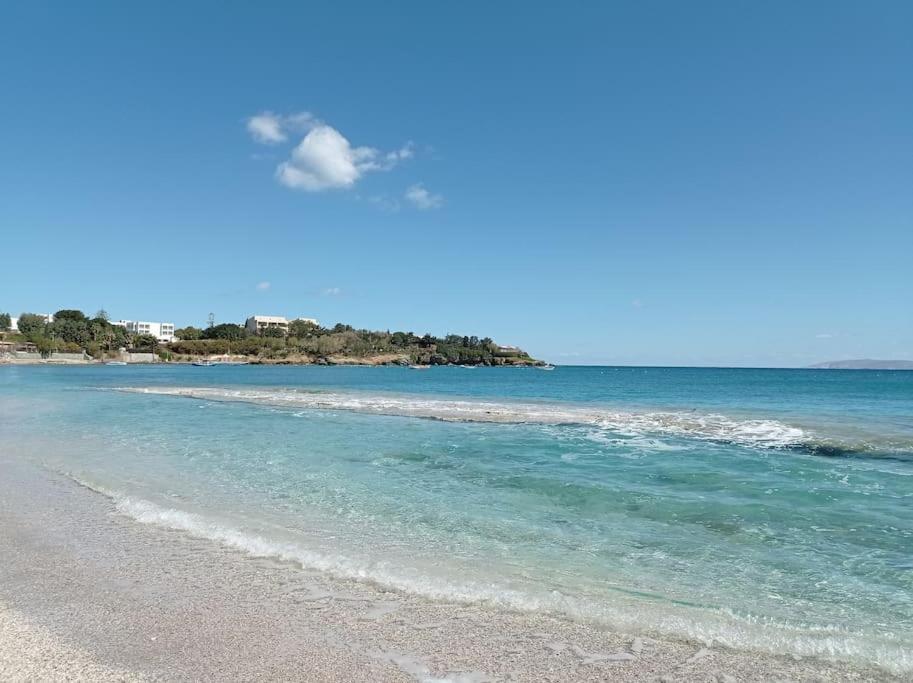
x=768, y=509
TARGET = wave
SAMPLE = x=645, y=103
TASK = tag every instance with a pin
x=709, y=427
x=632, y=614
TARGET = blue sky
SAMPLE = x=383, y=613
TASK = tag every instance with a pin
x=635, y=183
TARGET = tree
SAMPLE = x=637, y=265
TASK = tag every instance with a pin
x=274, y=332
x=45, y=345
x=5, y=322
x=302, y=328
x=225, y=331
x=70, y=330
x=146, y=342
x=102, y=314
x=70, y=314
x=94, y=349
x=189, y=333
x=31, y=324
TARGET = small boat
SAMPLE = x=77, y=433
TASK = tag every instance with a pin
x=545, y=367
x=116, y=362
x=419, y=367
x=469, y=367
x=203, y=363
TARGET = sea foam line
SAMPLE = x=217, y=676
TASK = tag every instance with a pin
x=708, y=427
x=720, y=625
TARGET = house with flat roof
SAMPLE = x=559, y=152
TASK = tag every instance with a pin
x=164, y=332
x=257, y=323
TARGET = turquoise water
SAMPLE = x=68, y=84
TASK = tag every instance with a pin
x=766, y=509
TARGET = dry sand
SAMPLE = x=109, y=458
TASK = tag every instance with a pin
x=87, y=594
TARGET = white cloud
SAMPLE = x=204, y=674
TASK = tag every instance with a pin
x=421, y=198
x=324, y=159
x=407, y=151
x=332, y=291
x=263, y=286
x=270, y=129
x=266, y=128
x=637, y=303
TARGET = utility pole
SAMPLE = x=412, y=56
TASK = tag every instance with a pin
x=212, y=320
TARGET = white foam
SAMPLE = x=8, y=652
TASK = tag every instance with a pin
x=708, y=427
x=705, y=625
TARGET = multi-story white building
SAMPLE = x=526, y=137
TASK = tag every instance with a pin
x=257, y=323
x=164, y=332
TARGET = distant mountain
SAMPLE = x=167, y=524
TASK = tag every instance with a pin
x=865, y=364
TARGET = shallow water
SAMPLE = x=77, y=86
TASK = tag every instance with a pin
x=690, y=502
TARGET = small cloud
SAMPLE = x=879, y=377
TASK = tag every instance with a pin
x=266, y=128
x=422, y=199
x=270, y=129
x=637, y=303
x=263, y=286
x=332, y=291
x=407, y=151
x=824, y=335
x=324, y=159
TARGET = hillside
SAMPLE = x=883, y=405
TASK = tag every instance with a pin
x=864, y=364
x=304, y=342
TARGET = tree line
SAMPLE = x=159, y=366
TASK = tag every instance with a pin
x=306, y=339
x=73, y=331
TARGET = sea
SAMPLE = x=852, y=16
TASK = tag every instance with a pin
x=758, y=509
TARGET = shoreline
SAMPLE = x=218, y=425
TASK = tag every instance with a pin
x=157, y=603
x=342, y=361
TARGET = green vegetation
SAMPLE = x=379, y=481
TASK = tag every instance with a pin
x=224, y=331
x=5, y=322
x=309, y=343
x=71, y=332
x=188, y=333
x=305, y=342
x=31, y=323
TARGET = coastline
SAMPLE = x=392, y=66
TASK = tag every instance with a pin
x=391, y=360
x=134, y=601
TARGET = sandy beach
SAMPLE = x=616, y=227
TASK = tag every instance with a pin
x=88, y=594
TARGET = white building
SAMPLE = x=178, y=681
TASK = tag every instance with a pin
x=257, y=323
x=164, y=332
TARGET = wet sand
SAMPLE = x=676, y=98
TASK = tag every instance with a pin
x=88, y=594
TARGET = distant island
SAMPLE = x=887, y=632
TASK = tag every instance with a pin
x=71, y=335
x=864, y=364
